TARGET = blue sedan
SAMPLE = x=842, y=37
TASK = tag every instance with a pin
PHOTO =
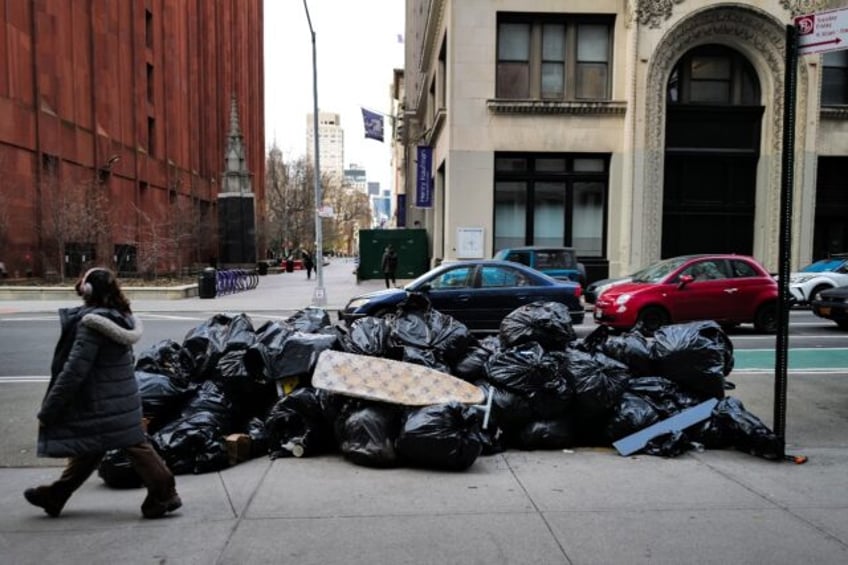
x=477, y=293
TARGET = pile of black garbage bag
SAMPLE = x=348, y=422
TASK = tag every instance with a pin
x=545, y=389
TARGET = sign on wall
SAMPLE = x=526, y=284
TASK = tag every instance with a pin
x=469, y=243
x=423, y=180
x=822, y=31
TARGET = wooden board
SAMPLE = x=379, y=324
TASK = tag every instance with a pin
x=679, y=422
x=387, y=380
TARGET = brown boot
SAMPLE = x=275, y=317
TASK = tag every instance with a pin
x=43, y=497
x=152, y=508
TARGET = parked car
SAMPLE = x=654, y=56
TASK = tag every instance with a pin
x=832, y=304
x=477, y=293
x=730, y=289
x=809, y=282
x=557, y=262
x=594, y=289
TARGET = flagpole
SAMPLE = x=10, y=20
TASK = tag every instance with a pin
x=319, y=296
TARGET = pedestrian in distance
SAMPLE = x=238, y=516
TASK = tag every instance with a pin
x=92, y=404
x=389, y=265
x=308, y=262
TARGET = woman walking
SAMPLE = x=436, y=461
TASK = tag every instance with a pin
x=92, y=404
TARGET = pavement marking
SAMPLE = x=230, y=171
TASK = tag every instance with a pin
x=25, y=379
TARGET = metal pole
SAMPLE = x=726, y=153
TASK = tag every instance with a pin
x=319, y=296
x=785, y=244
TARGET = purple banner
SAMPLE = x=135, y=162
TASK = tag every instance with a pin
x=423, y=180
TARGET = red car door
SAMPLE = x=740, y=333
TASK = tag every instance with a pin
x=704, y=297
x=746, y=290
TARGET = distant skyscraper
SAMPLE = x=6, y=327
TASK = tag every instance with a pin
x=330, y=143
x=355, y=177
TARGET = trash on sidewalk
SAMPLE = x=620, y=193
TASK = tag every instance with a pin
x=543, y=389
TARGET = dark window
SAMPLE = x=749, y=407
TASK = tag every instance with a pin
x=148, y=28
x=835, y=78
x=742, y=269
x=552, y=200
x=713, y=74
x=500, y=277
x=149, y=82
x=151, y=136
x=553, y=57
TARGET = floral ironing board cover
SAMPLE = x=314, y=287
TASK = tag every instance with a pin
x=387, y=380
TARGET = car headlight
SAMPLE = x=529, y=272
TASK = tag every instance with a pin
x=623, y=299
x=800, y=279
x=357, y=303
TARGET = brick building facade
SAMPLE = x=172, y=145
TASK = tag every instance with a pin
x=115, y=119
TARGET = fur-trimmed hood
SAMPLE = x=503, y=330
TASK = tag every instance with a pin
x=113, y=330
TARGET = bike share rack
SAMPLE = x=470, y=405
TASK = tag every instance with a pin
x=230, y=281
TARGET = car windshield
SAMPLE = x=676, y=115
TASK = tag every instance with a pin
x=658, y=271
x=823, y=265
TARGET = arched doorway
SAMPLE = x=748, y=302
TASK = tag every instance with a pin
x=712, y=144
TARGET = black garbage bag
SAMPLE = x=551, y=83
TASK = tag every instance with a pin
x=309, y=320
x=298, y=424
x=300, y=354
x=240, y=333
x=665, y=396
x=632, y=413
x=540, y=377
x=194, y=442
x=205, y=344
x=273, y=334
x=670, y=444
x=162, y=397
x=117, y=471
x=731, y=425
x=366, y=433
x=426, y=357
x=167, y=358
x=634, y=350
x=441, y=436
x=695, y=355
x=594, y=341
x=510, y=411
x=473, y=365
x=365, y=336
x=598, y=381
x=547, y=434
x=259, y=439
x=430, y=330
x=545, y=323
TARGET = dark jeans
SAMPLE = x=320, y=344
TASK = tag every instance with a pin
x=147, y=463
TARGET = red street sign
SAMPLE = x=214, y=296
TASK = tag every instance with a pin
x=822, y=31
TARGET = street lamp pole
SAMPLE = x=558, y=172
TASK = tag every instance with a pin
x=319, y=296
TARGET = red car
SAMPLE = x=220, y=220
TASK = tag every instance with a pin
x=730, y=289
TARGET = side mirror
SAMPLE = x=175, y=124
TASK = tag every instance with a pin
x=684, y=280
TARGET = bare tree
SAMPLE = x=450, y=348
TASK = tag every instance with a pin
x=351, y=210
x=290, y=201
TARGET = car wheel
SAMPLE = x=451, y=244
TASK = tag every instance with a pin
x=814, y=295
x=652, y=318
x=765, y=320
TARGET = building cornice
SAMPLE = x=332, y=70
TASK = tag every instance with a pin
x=597, y=107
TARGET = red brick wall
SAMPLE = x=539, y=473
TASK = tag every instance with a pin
x=74, y=86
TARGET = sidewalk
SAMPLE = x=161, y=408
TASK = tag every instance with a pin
x=581, y=506
x=276, y=291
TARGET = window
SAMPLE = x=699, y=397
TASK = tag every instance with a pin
x=151, y=136
x=455, y=278
x=148, y=28
x=713, y=74
x=553, y=57
x=149, y=82
x=835, y=78
x=500, y=277
x=742, y=269
x=551, y=200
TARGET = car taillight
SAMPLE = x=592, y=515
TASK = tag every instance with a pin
x=578, y=292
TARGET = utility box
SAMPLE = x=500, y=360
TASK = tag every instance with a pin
x=410, y=245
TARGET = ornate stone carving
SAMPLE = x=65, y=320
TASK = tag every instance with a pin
x=500, y=106
x=652, y=13
x=761, y=38
x=798, y=7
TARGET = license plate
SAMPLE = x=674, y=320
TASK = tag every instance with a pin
x=597, y=314
x=824, y=311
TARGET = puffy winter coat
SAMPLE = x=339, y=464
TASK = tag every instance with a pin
x=92, y=404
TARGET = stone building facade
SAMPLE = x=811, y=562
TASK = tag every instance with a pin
x=630, y=130
x=115, y=127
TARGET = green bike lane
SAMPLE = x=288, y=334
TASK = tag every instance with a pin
x=829, y=359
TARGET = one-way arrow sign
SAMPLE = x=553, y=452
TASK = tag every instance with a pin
x=822, y=31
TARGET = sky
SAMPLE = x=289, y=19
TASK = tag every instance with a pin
x=358, y=48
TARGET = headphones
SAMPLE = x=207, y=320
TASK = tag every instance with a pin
x=85, y=289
